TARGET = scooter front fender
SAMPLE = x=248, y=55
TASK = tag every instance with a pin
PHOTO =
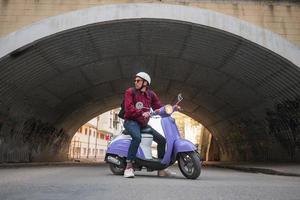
x=182, y=145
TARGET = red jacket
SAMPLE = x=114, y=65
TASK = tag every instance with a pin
x=148, y=100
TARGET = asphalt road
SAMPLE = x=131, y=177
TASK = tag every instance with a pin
x=97, y=182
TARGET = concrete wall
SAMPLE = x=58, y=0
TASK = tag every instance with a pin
x=281, y=17
x=32, y=140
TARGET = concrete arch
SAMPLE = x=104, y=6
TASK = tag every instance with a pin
x=99, y=14
x=236, y=77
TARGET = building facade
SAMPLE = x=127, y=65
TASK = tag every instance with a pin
x=110, y=123
x=91, y=140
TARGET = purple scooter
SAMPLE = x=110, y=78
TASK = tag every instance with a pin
x=179, y=149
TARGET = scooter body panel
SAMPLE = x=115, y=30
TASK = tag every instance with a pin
x=120, y=147
x=171, y=133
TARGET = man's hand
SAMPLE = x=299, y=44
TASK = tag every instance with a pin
x=177, y=107
x=146, y=114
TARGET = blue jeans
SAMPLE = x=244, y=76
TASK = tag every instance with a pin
x=134, y=130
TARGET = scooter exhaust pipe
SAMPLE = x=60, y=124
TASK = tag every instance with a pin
x=113, y=160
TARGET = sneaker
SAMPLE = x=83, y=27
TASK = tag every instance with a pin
x=165, y=173
x=128, y=173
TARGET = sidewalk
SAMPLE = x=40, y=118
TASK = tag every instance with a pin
x=283, y=169
x=64, y=163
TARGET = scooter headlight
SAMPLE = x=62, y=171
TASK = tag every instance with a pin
x=169, y=109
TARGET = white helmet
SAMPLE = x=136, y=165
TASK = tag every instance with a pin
x=144, y=76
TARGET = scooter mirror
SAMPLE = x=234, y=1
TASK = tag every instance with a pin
x=179, y=98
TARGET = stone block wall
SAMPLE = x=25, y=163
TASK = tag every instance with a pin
x=281, y=17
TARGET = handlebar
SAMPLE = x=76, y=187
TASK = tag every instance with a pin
x=166, y=110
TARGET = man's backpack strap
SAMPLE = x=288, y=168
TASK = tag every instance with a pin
x=151, y=95
x=122, y=111
x=133, y=92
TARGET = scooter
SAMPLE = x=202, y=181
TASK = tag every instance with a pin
x=177, y=149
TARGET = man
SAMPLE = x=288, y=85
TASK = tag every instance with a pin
x=137, y=114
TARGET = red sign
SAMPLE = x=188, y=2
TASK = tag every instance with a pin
x=107, y=137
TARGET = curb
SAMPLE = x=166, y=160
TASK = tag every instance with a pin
x=50, y=164
x=254, y=170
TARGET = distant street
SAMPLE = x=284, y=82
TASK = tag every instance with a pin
x=97, y=182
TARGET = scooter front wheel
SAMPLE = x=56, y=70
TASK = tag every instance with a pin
x=115, y=169
x=189, y=164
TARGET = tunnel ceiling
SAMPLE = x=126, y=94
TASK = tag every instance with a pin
x=70, y=77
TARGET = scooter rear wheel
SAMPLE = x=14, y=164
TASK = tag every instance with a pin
x=115, y=169
x=189, y=164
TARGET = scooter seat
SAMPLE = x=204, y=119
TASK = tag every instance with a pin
x=146, y=130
